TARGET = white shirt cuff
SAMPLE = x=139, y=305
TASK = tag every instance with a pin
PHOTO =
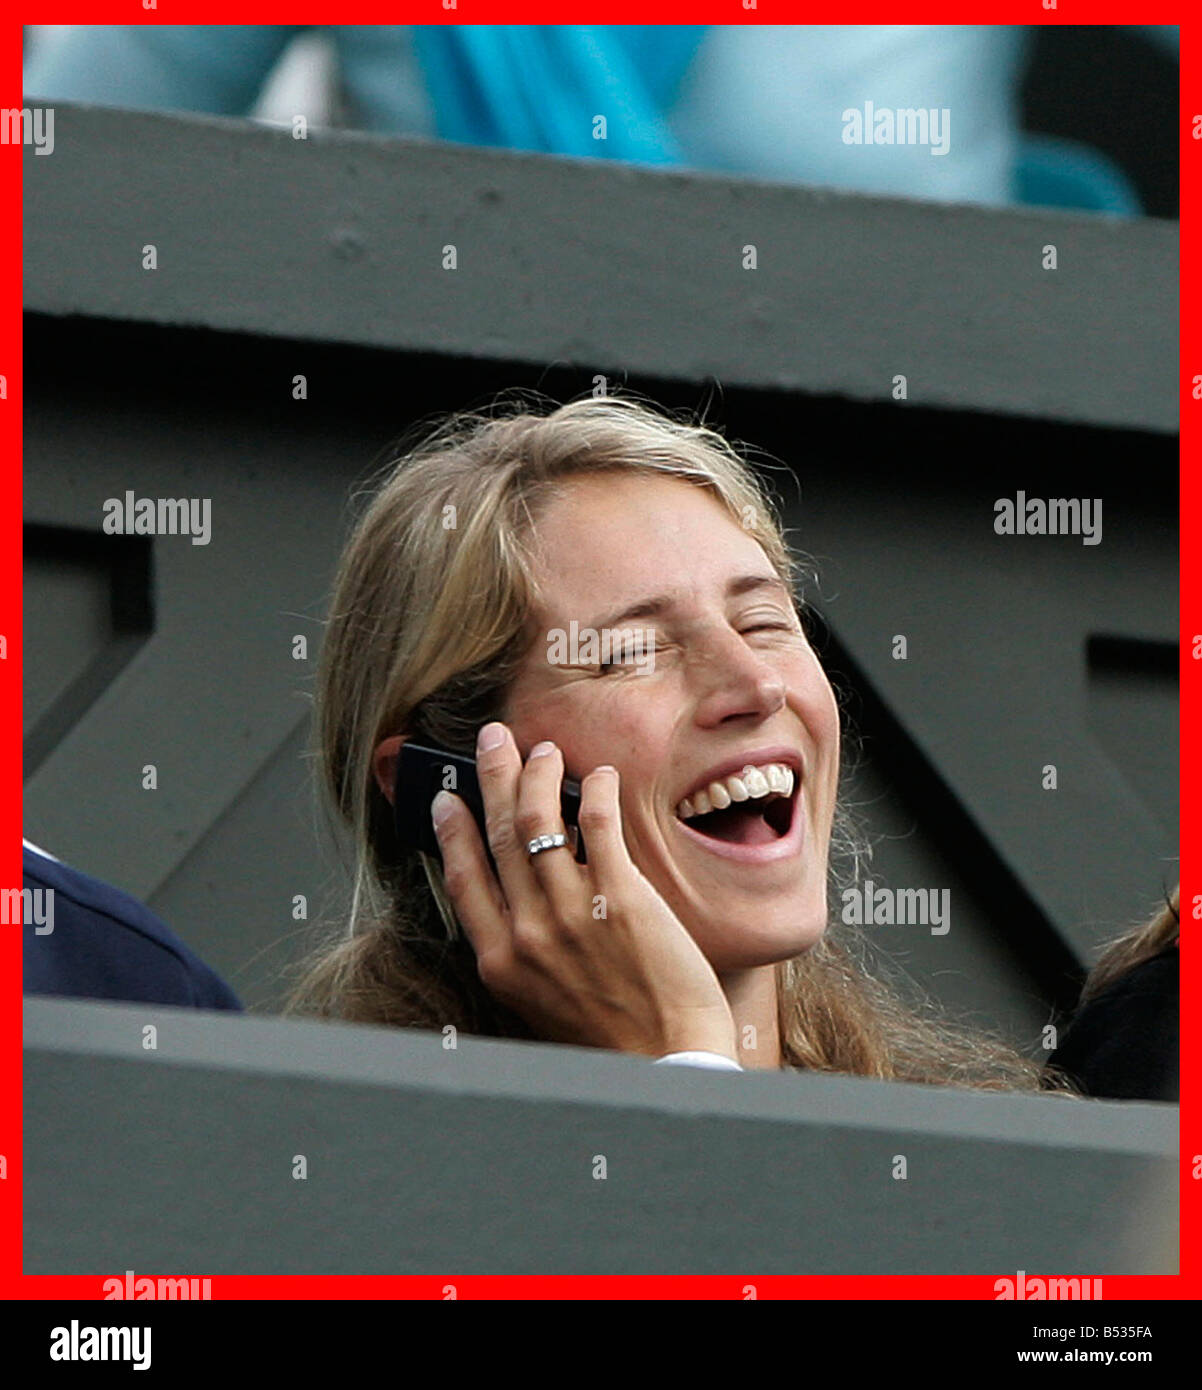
x=37, y=849
x=700, y=1059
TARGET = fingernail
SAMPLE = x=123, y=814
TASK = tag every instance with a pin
x=491, y=736
x=540, y=750
x=441, y=807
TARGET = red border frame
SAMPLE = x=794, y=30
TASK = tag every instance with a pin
x=13, y=1284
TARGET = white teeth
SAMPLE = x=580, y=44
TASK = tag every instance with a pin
x=756, y=782
x=766, y=780
x=780, y=778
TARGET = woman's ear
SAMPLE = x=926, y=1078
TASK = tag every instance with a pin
x=384, y=764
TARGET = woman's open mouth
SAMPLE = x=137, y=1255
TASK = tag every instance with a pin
x=750, y=815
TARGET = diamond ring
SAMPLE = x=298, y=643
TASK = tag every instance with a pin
x=542, y=842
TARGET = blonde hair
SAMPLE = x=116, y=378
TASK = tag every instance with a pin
x=429, y=621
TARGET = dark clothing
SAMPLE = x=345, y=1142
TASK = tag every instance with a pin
x=105, y=944
x=1123, y=1044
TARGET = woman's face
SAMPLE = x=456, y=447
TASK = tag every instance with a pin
x=729, y=681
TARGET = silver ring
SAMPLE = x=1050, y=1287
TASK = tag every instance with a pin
x=542, y=842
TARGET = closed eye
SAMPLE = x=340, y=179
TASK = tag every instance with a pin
x=620, y=663
x=629, y=661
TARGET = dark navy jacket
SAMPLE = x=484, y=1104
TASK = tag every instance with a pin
x=1123, y=1044
x=105, y=944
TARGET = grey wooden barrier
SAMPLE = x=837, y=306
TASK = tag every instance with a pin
x=505, y=1158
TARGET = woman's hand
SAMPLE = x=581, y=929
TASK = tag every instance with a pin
x=586, y=954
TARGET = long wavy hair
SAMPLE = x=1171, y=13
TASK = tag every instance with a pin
x=427, y=626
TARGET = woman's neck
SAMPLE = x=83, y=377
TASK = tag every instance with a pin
x=752, y=996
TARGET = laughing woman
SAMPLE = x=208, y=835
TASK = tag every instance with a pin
x=709, y=766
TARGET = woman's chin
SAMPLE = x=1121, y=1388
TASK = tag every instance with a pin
x=741, y=925
x=764, y=943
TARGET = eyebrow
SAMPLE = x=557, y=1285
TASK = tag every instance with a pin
x=660, y=603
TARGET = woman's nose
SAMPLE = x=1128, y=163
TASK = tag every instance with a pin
x=735, y=680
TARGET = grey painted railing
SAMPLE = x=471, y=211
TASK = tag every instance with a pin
x=586, y=261
x=506, y=1158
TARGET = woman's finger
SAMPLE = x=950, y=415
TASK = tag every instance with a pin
x=499, y=769
x=539, y=813
x=468, y=877
x=601, y=826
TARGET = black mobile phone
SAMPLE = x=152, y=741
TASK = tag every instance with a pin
x=423, y=770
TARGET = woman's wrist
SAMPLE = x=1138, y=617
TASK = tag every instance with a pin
x=713, y=1036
